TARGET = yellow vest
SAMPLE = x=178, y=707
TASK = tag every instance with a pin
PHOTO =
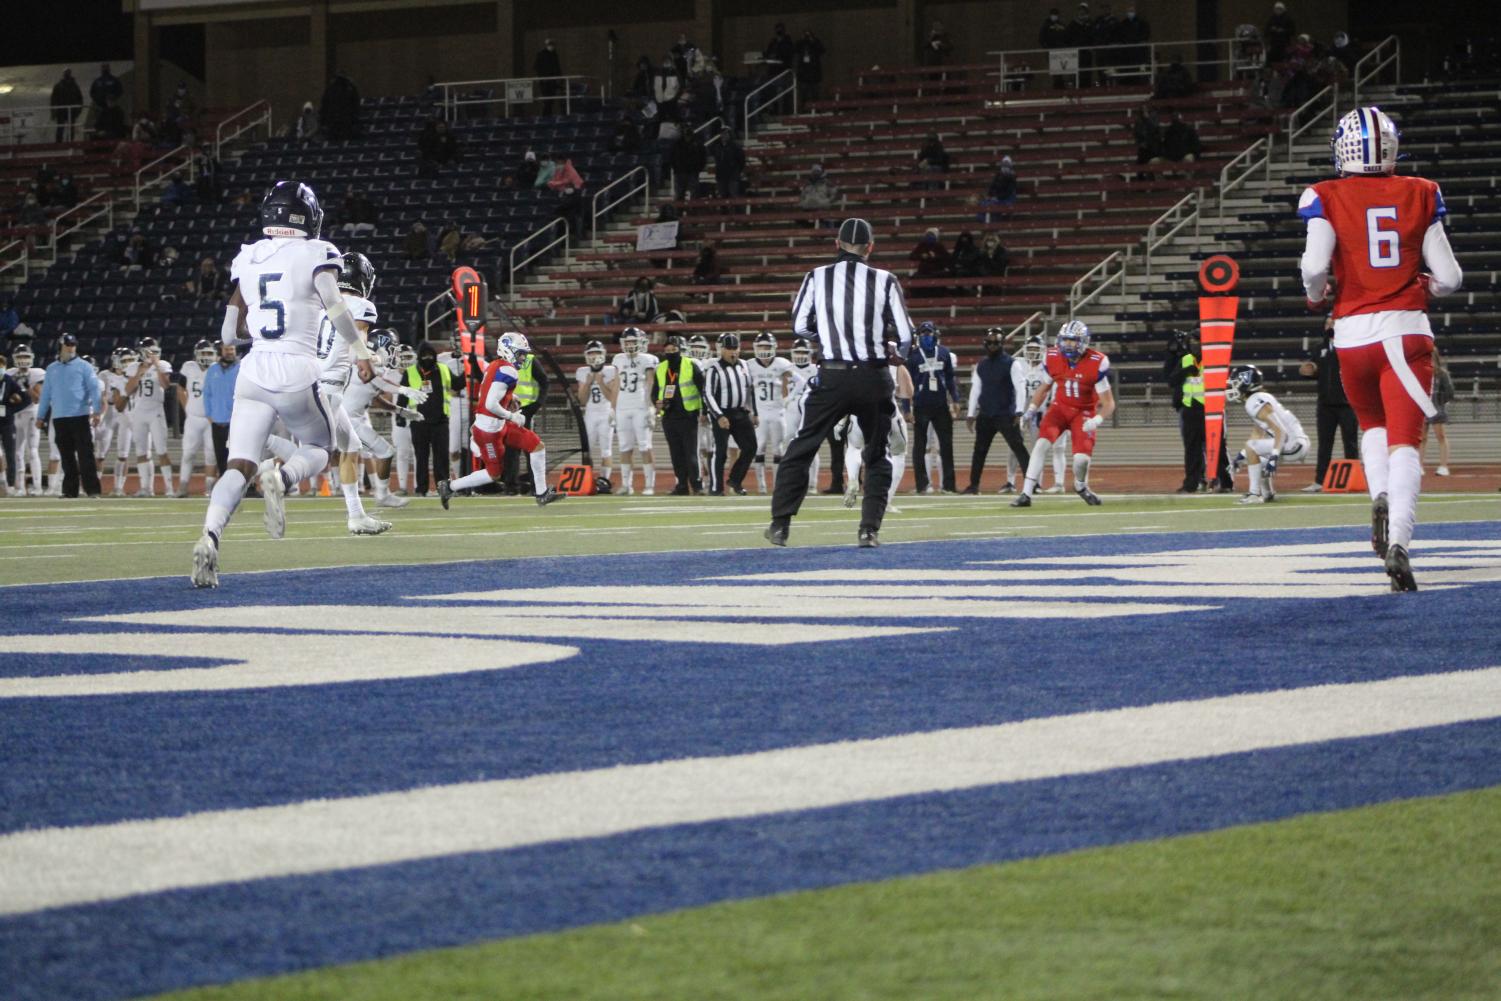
x=1193, y=385
x=687, y=388
x=526, y=385
x=414, y=379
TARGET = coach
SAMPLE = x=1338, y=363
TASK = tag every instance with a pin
x=70, y=397
x=219, y=401
x=853, y=310
x=997, y=397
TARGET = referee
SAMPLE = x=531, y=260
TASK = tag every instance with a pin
x=732, y=414
x=854, y=310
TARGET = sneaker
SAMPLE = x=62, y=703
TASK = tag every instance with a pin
x=851, y=496
x=391, y=500
x=1314, y=488
x=274, y=491
x=1379, y=512
x=366, y=525
x=1088, y=496
x=1022, y=500
x=1399, y=569
x=1252, y=499
x=445, y=493
x=775, y=534
x=1007, y=489
x=1056, y=488
x=544, y=499
x=868, y=539
x=651, y=492
x=1442, y=471
x=205, y=562
x=625, y=488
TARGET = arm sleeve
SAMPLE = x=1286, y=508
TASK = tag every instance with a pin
x=1318, y=251
x=338, y=312
x=974, y=392
x=1019, y=387
x=1437, y=254
x=950, y=377
x=499, y=387
x=699, y=381
x=230, y=330
x=896, y=314
x=804, y=320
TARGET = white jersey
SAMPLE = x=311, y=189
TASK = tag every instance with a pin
x=634, y=375
x=1036, y=377
x=359, y=395
x=282, y=308
x=797, y=386
x=1281, y=418
x=150, y=395
x=335, y=358
x=193, y=375
x=598, y=404
x=35, y=376
x=766, y=382
x=112, y=382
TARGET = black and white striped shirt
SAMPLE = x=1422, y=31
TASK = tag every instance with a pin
x=729, y=388
x=853, y=309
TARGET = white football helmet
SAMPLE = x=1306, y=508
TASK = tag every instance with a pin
x=632, y=340
x=204, y=353
x=1073, y=339
x=1034, y=350
x=698, y=348
x=765, y=346
x=514, y=343
x=594, y=355
x=406, y=356
x=22, y=357
x=1365, y=142
x=504, y=353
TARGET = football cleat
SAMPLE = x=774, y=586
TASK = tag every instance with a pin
x=274, y=491
x=544, y=499
x=851, y=495
x=1022, y=500
x=1399, y=569
x=391, y=500
x=1089, y=497
x=1056, y=488
x=366, y=525
x=648, y=491
x=1379, y=510
x=1313, y=488
x=775, y=534
x=445, y=493
x=205, y=562
x=1252, y=499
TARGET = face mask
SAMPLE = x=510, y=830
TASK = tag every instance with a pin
x=992, y=349
x=928, y=342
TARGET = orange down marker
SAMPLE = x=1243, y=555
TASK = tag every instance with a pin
x=1218, y=277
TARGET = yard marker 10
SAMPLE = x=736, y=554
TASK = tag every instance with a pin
x=1218, y=277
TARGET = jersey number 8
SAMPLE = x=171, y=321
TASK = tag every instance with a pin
x=1384, y=244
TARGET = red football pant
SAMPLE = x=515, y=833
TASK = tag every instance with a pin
x=1374, y=387
x=1059, y=419
x=489, y=447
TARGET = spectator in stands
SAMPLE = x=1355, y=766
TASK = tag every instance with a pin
x=105, y=88
x=706, y=269
x=1102, y=32
x=779, y=52
x=306, y=126
x=729, y=166
x=627, y=135
x=548, y=63
x=144, y=130
x=1174, y=81
x=968, y=261
x=546, y=167
x=809, y=55
x=933, y=158
x=66, y=101
x=570, y=209
x=819, y=194
x=1344, y=51
x=109, y=123
x=1002, y=191
x=1180, y=141
x=641, y=87
x=436, y=148
x=994, y=254
x=138, y=253
x=688, y=162
x=1135, y=31
x=339, y=112
x=414, y=247
x=1279, y=33
x=667, y=84
x=1148, y=135
x=210, y=282
x=46, y=185
x=1053, y=32
x=938, y=49
x=9, y=320
x=565, y=175
x=359, y=214
x=526, y=174
x=31, y=212
x=931, y=259
x=177, y=192
x=640, y=305
x=683, y=54
x=175, y=127
x=182, y=99
x=208, y=180
x=1298, y=71
x=449, y=239
x=1079, y=34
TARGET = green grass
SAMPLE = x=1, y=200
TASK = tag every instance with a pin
x=46, y=540
x=1396, y=901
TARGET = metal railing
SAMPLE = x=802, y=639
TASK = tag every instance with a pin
x=786, y=80
x=1078, y=298
x=239, y=123
x=1170, y=224
x=1136, y=60
x=67, y=223
x=1315, y=109
x=36, y=125
x=1024, y=328
x=507, y=92
x=445, y=301
x=1386, y=54
x=16, y=254
x=718, y=134
x=540, y=234
x=163, y=170
x=1248, y=164
x=643, y=186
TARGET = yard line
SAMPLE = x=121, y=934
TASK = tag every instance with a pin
x=69, y=866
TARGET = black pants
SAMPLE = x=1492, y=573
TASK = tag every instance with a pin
x=1332, y=417
x=744, y=433
x=865, y=393
x=681, y=431
x=8, y=443
x=75, y=446
x=941, y=422
x=836, y=462
x=430, y=439
x=220, y=433
x=1191, y=427
x=986, y=428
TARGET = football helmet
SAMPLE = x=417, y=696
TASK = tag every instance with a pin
x=406, y=355
x=92, y=363
x=22, y=357
x=119, y=358
x=765, y=347
x=1242, y=382
x=594, y=355
x=504, y=353
x=632, y=339
x=516, y=344
x=204, y=353
x=1365, y=142
x=356, y=274
x=149, y=348
x=698, y=348
x=1073, y=339
x=291, y=209
x=1034, y=350
x=729, y=340
x=383, y=346
x=802, y=353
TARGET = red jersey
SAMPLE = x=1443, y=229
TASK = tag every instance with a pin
x=502, y=372
x=1379, y=224
x=1080, y=383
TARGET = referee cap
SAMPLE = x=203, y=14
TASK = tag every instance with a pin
x=856, y=233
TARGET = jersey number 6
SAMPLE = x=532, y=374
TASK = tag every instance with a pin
x=1384, y=244
x=273, y=305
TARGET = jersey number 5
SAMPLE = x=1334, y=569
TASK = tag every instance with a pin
x=270, y=306
x=1384, y=244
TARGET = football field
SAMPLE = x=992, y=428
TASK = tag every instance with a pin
x=1170, y=747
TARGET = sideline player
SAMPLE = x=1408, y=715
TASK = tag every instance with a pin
x=401, y=430
x=1279, y=438
x=1375, y=230
x=111, y=429
x=28, y=435
x=1082, y=376
x=499, y=424
x=282, y=285
x=700, y=351
x=799, y=376
x=197, y=432
x=769, y=377
x=598, y=386
x=633, y=409
x=124, y=406
x=146, y=383
x=896, y=442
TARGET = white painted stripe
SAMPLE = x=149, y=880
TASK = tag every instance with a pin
x=58, y=867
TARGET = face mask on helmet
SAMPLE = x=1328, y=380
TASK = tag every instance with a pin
x=205, y=355
x=1073, y=339
x=23, y=358
x=406, y=357
x=765, y=349
x=594, y=356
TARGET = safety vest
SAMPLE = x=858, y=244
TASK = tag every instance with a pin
x=1193, y=384
x=414, y=379
x=526, y=385
x=687, y=388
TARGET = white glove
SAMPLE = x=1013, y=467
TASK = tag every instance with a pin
x=417, y=396
x=1092, y=423
x=1030, y=417
x=651, y=420
x=408, y=414
x=516, y=417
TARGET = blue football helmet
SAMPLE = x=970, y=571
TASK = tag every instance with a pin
x=1073, y=339
x=1243, y=381
x=291, y=209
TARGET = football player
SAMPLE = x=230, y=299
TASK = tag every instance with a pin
x=401, y=431
x=1081, y=403
x=801, y=372
x=633, y=410
x=146, y=383
x=598, y=385
x=896, y=441
x=1034, y=354
x=769, y=377
x=109, y=419
x=1279, y=436
x=28, y=436
x=700, y=352
x=1370, y=233
x=499, y=424
x=282, y=286
x=384, y=393
x=197, y=433
x=122, y=406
